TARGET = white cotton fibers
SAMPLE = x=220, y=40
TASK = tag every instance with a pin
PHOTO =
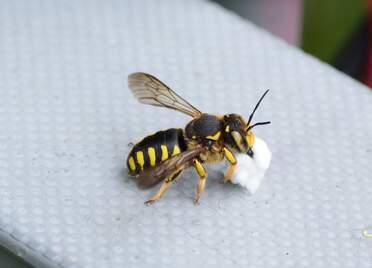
x=250, y=171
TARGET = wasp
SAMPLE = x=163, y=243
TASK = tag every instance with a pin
x=207, y=138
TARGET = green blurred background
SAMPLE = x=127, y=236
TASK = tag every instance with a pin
x=8, y=260
x=329, y=24
x=334, y=31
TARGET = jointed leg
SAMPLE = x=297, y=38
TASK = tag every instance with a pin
x=230, y=170
x=167, y=182
x=202, y=179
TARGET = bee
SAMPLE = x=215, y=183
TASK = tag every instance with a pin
x=207, y=138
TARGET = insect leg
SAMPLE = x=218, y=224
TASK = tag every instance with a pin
x=202, y=179
x=167, y=182
x=232, y=160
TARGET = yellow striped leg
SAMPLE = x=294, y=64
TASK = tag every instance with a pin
x=232, y=160
x=202, y=179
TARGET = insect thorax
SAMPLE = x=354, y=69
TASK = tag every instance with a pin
x=204, y=127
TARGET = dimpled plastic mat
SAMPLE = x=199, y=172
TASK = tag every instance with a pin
x=67, y=118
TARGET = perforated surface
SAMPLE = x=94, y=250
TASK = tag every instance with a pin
x=67, y=117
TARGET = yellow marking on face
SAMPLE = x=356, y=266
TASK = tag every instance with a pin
x=164, y=152
x=152, y=155
x=140, y=159
x=215, y=136
x=227, y=129
x=250, y=139
x=199, y=168
x=229, y=156
x=131, y=163
x=176, y=150
x=238, y=140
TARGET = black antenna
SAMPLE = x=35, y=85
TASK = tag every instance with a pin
x=258, y=124
x=255, y=108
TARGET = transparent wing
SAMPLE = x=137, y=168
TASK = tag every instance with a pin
x=171, y=166
x=150, y=90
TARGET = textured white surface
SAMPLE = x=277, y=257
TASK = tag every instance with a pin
x=67, y=117
x=250, y=171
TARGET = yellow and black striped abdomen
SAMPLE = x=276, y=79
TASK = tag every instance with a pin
x=155, y=149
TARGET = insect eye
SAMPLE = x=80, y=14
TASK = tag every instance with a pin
x=237, y=124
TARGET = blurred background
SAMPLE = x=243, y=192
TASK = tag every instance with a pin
x=338, y=32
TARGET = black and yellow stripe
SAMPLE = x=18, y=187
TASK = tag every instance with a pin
x=155, y=149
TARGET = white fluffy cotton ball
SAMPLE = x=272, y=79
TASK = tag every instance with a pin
x=250, y=171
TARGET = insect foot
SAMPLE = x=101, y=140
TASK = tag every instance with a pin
x=150, y=201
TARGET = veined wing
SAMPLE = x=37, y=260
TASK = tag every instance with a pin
x=150, y=90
